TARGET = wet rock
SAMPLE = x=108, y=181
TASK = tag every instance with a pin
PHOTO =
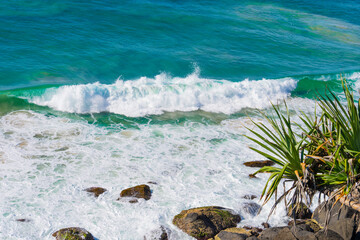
x=133, y=201
x=205, y=222
x=300, y=212
x=140, y=191
x=95, y=191
x=259, y=164
x=73, y=233
x=23, y=220
x=249, y=196
x=224, y=235
x=161, y=233
x=152, y=182
x=265, y=225
x=251, y=208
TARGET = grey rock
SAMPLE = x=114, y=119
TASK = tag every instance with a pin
x=224, y=235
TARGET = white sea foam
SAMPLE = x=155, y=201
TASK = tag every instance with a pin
x=163, y=93
x=47, y=161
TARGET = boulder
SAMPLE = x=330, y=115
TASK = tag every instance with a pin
x=72, y=233
x=311, y=225
x=140, y=191
x=277, y=233
x=95, y=191
x=328, y=235
x=225, y=235
x=301, y=211
x=205, y=222
x=303, y=232
x=338, y=212
x=342, y=219
x=259, y=164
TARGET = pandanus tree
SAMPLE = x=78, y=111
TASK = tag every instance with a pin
x=321, y=153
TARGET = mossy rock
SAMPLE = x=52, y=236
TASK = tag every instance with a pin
x=205, y=222
x=140, y=191
x=96, y=191
x=259, y=164
x=73, y=233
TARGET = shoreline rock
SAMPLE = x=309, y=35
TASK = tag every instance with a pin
x=139, y=191
x=73, y=233
x=259, y=164
x=205, y=222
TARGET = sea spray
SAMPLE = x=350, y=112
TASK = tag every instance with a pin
x=163, y=93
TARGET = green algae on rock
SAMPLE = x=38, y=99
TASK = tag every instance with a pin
x=73, y=233
x=139, y=191
x=205, y=222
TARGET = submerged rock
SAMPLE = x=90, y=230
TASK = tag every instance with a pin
x=140, y=191
x=249, y=196
x=161, y=233
x=251, y=208
x=73, y=233
x=23, y=220
x=259, y=164
x=205, y=222
x=96, y=191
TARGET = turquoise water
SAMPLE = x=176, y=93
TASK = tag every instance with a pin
x=119, y=93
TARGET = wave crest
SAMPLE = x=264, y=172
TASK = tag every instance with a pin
x=163, y=93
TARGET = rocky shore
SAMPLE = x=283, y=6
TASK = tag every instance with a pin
x=329, y=221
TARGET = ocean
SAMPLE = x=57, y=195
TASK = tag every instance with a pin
x=120, y=93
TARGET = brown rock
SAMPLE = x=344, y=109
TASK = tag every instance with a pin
x=259, y=164
x=140, y=191
x=23, y=220
x=96, y=191
x=73, y=233
x=301, y=211
x=205, y=222
x=265, y=225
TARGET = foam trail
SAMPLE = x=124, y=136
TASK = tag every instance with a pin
x=148, y=96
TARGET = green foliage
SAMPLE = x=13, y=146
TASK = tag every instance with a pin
x=325, y=156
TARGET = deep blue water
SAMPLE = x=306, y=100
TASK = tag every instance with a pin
x=70, y=42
